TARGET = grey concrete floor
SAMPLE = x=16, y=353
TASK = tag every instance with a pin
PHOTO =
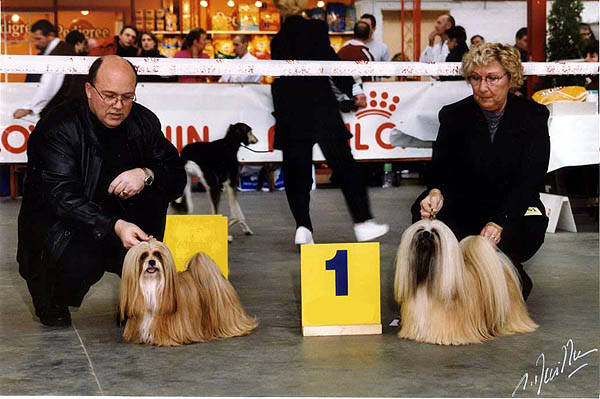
x=90, y=358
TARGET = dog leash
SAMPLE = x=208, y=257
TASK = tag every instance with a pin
x=250, y=149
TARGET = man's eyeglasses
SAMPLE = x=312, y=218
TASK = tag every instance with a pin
x=112, y=99
x=475, y=80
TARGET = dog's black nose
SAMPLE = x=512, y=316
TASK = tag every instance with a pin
x=152, y=262
x=425, y=235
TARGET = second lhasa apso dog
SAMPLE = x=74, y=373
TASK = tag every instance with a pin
x=456, y=294
x=167, y=308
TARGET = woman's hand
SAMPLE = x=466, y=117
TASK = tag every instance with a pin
x=432, y=204
x=492, y=232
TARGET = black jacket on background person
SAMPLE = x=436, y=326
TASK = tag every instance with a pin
x=306, y=106
x=64, y=167
x=484, y=180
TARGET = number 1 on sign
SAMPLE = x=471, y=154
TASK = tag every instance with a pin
x=339, y=263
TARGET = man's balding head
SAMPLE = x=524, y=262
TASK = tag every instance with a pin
x=110, y=89
x=443, y=23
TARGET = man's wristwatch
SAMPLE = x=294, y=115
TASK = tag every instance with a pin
x=148, y=179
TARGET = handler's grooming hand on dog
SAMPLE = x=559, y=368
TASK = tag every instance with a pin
x=434, y=201
x=130, y=234
x=432, y=204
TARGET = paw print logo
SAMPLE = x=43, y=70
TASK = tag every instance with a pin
x=382, y=105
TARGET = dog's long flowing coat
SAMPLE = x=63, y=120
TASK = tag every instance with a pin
x=167, y=308
x=455, y=294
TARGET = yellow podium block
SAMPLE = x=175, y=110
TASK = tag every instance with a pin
x=186, y=235
x=340, y=289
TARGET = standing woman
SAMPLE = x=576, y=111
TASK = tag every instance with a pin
x=490, y=158
x=306, y=112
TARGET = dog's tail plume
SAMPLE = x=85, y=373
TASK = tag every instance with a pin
x=223, y=315
x=505, y=310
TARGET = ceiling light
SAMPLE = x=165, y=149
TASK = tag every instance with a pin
x=15, y=18
x=85, y=12
x=320, y=4
x=231, y=3
x=258, y=4
x=204, y=3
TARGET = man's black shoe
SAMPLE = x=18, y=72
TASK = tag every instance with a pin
x=54, y=315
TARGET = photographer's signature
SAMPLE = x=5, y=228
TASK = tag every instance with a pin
x=571, y=363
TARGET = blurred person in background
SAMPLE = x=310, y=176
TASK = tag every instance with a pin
x=193, y=47
x=44, y=36
x=591, y=55
x=457, y=43
x=586, y=34
x=78, y=41
x=148, y=47
x=437, y=52
x=521, y=43
x=122, y=45
x=477, y=40
x=240, y=48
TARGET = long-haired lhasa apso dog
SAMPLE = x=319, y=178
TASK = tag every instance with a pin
x=167, y=308
x=456, y=294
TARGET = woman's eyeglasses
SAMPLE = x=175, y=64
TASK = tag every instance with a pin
x=491, y=80
x=112, y=99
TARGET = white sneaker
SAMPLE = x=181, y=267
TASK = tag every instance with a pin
x=303, y=236
x=369, y=230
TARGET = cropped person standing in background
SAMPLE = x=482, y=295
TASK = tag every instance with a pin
x=306, y=112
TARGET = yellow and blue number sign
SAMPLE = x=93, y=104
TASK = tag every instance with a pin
x=340, y=289
x=186, y=235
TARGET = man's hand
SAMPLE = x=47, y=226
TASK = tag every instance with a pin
x=492, y=232
x=19, y=113
x=432, y=204
x=360, y=100
x=128, y=183
x=431, y=37
x=130, y=234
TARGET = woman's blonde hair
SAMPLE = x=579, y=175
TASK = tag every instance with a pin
x=290, y=7
x=486, y=53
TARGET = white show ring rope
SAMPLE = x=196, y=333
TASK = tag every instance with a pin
x=201, y=66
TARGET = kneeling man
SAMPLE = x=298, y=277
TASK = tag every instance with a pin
x=100, y=177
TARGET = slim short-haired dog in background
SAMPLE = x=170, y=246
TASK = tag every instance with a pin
x=167, y=308
x=216, y=165
x=456, y=294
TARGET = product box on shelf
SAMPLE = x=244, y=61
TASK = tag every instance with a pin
x=149, y=24
x=220, y=21
x=170, y=22
x=336, y=17
x=139, y=24
x=249, y=17
x=269, y=19
x=149, y=14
